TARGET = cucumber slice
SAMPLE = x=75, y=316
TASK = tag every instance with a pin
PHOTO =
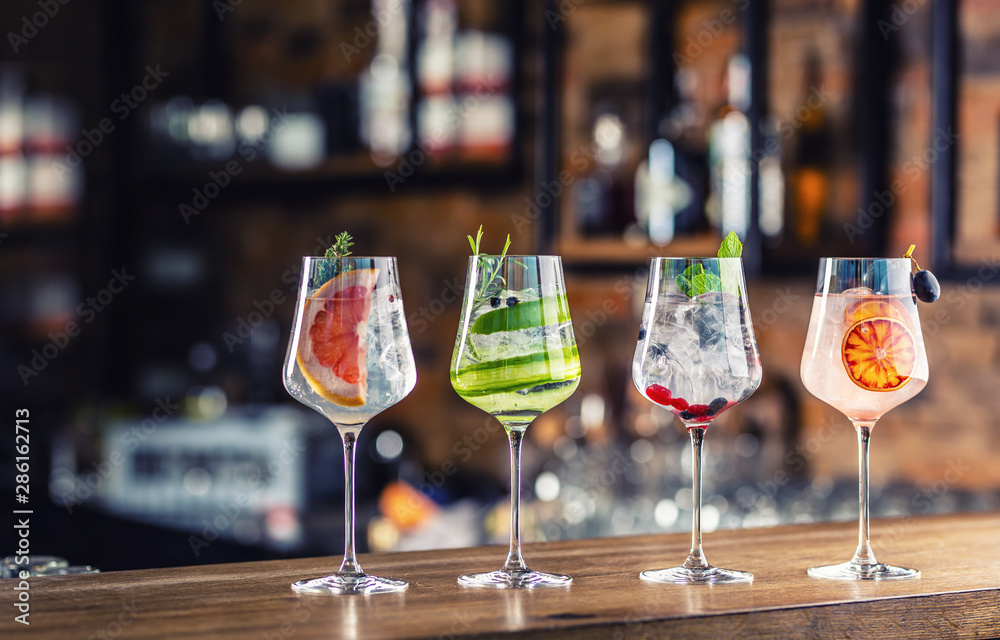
x=512, y=374
x=531, y=313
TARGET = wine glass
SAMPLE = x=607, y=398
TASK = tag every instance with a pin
x=864, y=355
x=696, y=357
x=515, y=358
x=349, y=358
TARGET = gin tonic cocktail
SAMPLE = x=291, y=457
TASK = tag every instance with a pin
x=515, y=357
x=864, y=355
x=349, y=358
x=696, y=357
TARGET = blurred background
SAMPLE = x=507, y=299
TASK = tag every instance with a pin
x=164, y=164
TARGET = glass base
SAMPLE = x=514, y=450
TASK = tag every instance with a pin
x=683, y=575
x=852, y=571
x=514, y=580
x=349, y=584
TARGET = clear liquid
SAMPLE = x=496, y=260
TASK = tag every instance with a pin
x=391, y=371
x=701, y=349
x=823, y=370
x=516, y=375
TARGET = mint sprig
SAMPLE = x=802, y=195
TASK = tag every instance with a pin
x=696, y=280
x=731, y=246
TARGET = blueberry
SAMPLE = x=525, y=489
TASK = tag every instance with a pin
x=495, y=302
x=717, y=405
x=656, y=351
x=687, y=415
x=642, y=333
x=511, y=301
x=926, y=286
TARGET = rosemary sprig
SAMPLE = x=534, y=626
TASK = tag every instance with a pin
x=341, y=248
x=491, y=268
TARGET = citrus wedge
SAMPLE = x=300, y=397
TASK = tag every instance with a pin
x=875, y=308
x=332, y=349
x=879, y=353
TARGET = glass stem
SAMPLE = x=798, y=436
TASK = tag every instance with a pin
x=864, y=556
x=515, y=561
x=696, y=559
x=350, y=564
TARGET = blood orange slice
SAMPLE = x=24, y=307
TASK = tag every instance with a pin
x=879, y=353
x=332, y=346
x=876, y=308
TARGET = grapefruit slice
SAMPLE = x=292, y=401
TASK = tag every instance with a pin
x=879, y=353
x=332, y=345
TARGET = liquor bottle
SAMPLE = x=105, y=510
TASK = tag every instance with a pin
x=729, y=153
x=810, y=171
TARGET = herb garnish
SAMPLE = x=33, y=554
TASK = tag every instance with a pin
x=490, y=267
x=341, y=247
x=696, y=281
x=331, y=268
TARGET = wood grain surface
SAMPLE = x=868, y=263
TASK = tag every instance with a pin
x=958, y=595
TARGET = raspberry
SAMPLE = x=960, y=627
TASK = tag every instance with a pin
x=698, y=409
x=679, y=403
x=660, y=395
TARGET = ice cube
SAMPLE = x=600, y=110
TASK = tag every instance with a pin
x=732, y=311
x=858, y=291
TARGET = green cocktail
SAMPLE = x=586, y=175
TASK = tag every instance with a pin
x=515, y=358
x=519, y=359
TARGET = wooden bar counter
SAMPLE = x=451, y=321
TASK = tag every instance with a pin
x=958, y=595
